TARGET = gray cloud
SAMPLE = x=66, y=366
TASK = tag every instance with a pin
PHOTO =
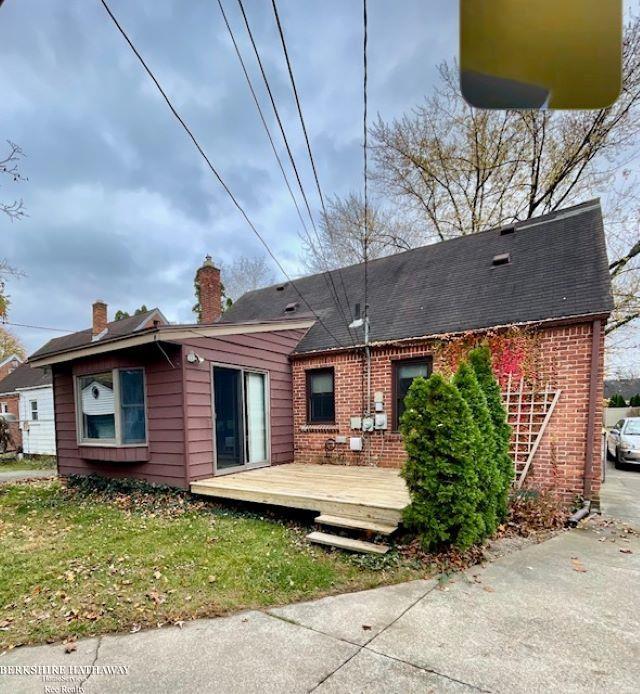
x=120, y=205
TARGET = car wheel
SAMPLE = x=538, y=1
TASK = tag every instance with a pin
x=618, y=462
x=609, y=456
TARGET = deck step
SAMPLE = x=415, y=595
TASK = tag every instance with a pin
x=346, y=543
x=378, y=527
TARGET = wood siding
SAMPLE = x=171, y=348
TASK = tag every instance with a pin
x=179, y=407
x=264, y=352
x=39, y=436
x=162, y=461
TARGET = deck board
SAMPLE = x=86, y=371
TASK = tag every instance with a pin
x=359, y=492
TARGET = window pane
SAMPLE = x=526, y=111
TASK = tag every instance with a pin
x=132, y=419
x=322, y=382
x=405, y=373
x=321, y=401
x=256, y=406
x=97, y=406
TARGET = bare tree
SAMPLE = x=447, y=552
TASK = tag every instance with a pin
x=448, y=170
x=245, y=274
x=342, y=235
x=10, y=166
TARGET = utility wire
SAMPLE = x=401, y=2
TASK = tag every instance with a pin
x=213, y=170
x=36, y=327
x=290, y=153
x=306, y=137
x=327, y=276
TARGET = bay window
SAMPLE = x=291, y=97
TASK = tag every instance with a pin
x=111, y=407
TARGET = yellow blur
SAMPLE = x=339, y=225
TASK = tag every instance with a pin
x=572, y=48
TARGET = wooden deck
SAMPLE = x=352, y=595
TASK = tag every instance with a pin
x=375, y=494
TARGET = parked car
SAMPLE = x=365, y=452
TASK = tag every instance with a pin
x=623, y=441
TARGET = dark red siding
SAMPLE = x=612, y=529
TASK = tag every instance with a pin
x=264, y=351
x=179, y=412
x=162, y=461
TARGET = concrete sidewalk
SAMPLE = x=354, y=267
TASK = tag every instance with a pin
x=620, y=494
x=13, y=475
x=560, y=616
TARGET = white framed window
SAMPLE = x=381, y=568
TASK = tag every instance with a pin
x=111, y=408
x=33, y=408
x=4, y=408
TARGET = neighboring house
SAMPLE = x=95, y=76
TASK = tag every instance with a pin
x=270, y=383
x=9, y=364
x=627, y=387
x=26, y=394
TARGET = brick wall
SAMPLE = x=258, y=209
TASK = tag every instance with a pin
x=560, y=460
x=13, y=403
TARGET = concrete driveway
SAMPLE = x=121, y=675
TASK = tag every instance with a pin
x=620, y=495
x=560, y=616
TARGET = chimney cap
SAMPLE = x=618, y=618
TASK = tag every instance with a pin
x=208, y=261
x=99, y=301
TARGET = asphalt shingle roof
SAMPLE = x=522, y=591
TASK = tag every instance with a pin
x=25, y=377
x=558, y=268
x=118, y=328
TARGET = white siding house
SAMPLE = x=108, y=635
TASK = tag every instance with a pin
x=37, y=420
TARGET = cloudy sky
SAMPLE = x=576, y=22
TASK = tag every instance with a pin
x=120, y=204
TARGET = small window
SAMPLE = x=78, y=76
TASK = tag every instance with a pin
x=320, y=397
x=112, y=407
x=290, y=308
x=4, y=408
x=132, y=417
x=403, y=374
x=34, y=410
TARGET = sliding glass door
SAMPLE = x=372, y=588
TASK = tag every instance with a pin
x=241, y=418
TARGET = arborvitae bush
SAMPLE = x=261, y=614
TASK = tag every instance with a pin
x=617, y=401
x=635, y=400
x=440, y=439
x=480, y=360
x=489, y=477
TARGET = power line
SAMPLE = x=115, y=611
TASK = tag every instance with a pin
x=306, y=137
x=213, y=169
x=290, y=154
x=36, y=327
x=329, y=281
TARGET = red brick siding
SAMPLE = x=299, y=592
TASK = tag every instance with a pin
x=13, y=407
x=560, y=461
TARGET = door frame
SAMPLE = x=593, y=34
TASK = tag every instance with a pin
x=245, y=465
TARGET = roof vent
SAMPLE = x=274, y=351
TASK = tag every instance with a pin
x=290, y=308
x=502, y=259
x=281, y=287
x=505, y=231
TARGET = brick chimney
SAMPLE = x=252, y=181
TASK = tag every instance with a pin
x=209, y=291
x=99, y=317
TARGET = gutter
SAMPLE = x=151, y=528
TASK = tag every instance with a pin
x=581, y=513
x=591, y=421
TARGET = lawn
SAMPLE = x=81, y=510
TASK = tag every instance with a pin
x=39, y=462
x=76, y=562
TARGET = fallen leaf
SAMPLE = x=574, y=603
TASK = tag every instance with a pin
x=366, y=627
x=577, y=565
x=135, y=628
x=626, y=550
x=70, y=647
x=489, y=589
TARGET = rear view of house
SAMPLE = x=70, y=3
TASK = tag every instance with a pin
x=283, y=377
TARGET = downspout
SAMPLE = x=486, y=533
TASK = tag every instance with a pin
x=591, y=421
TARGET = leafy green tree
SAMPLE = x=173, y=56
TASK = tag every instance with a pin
x=635, y=400
x=124, y=314
x=617, y=401
x=440, y=439
x=489, y=477
x=480, y=360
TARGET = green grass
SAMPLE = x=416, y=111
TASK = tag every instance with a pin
x=36, y=462
x=75, y=564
